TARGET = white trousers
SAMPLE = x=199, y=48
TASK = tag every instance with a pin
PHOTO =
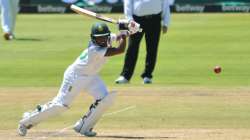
x=73, y=84
x=9, y=10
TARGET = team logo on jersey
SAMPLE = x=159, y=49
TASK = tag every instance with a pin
x=100, y=28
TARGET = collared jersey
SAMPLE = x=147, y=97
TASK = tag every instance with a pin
x=147, y=7
x=90, y=61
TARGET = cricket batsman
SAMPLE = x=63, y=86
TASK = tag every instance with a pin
x=82, y=75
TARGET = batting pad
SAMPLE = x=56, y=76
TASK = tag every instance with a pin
x=48, y=110
x=94, y=114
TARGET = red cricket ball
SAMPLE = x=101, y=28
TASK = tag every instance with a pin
x=217, y=69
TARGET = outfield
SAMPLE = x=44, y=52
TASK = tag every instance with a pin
x=186, y=101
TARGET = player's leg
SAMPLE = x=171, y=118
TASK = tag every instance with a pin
x=6, y=19
x=152, y=36
x=86, y=124
x=14, y=11
x=41, y=113
x=103, y=100
x=131, y=54
x=130, y=58
x=5, y=4
x=71, y=87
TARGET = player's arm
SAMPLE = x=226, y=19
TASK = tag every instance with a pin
x=121, y=47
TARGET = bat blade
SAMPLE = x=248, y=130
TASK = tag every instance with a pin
x=89, y=13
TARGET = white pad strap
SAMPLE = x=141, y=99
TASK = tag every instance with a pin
x=95, y=112
x=40, y=114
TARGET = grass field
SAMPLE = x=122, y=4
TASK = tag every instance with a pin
x=187, y=100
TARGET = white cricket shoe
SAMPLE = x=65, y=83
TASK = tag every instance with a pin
x=121, y=80
x=147, y=80
x=77, y=127
x=89, y=133
x=22, y=130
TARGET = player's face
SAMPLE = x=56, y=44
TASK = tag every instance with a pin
x=102, y=41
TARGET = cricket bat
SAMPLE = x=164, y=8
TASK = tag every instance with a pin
x=91, y=14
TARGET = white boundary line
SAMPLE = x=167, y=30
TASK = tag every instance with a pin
x=119, y=111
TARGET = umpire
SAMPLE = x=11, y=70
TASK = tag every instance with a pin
x=153, y=16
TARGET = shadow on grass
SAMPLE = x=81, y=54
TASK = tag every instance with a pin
x=133, y=137
x=70, y=135
x=29, y=39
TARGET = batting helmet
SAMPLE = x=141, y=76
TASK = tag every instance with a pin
x=99, y=29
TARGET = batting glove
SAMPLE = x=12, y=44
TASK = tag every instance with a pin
x=129, y=25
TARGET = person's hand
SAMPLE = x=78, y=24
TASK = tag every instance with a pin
x=134, y=27
x=164, y=29
x=122, y=35
x=129, y=25
x=123, y=24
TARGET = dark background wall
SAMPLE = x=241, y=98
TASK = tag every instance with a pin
x=57, y=6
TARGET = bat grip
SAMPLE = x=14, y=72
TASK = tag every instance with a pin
x=123, y=26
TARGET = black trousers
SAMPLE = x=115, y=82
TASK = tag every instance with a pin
x=151, y=26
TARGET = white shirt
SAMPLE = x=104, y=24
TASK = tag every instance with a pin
x=147, y=7
x=90, y=61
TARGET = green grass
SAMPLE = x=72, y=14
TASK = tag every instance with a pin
x=47, y=44
x=157, y=108
x=185, y=94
